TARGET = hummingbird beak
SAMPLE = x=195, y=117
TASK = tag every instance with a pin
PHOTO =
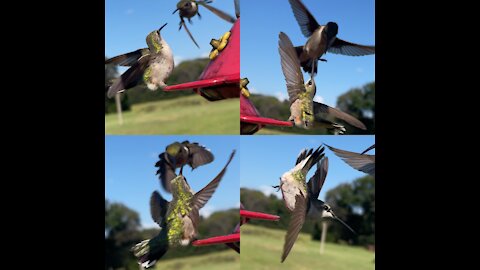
x=341, y=221
x=162, y=27
x=175, y=11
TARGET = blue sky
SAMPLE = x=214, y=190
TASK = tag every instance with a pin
x=128, y=22
x=263, y=20
x=130, y=173
x=265, y=158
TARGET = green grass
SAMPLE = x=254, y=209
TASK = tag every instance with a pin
x=223, y=260
x=268, y=131
x=184, y=115
x=262, y=249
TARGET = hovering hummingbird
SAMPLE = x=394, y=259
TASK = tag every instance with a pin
x=178, y=219
x=321, y=39
x=177, y=155
x=188, y=9
x=361, y=162
x=304, y=112
x=300, y=195
x=152, y=65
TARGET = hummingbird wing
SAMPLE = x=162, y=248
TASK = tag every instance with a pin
x=340, y=46
x=304, y=18
x=165, y=172
x=296, y=223
x=237, y=8
x=320, y=108
x=290, y=67
x=313, y=159
x=184, y=25
x=158, y=207
x=368, y=149
x=303, y=155
x=218, y=12
x=131, y=77
x=200, y=155
x=364, y=163
x=201, y=197
x=128, y=59
x=315, y=183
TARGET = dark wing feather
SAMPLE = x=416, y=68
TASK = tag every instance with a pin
x=184, y=25
x=364, y=163
x=303, y=154
x=158, y=207
x=305, y=19
x=218, y=12
x=201, y=198
x=320, y=108
x=368, y=149
x=128, y=59
x=165, y=172
x=351, y=49
x=199, y=155
x=296, y=223
x=290, y=67
x=131, y=77
x=315, y=183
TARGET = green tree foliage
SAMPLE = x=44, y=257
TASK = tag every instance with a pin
x=356, y=204
x=186, y=71
x=121, y=233
x=360, y=102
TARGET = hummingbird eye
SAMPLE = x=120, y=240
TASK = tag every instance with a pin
x=326, y=207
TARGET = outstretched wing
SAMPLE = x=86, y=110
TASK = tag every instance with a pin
x=184, y=25
x=315, y=183
x=320, y=108
x=128, y=59
x=304, y=18
x=340, y=46
x=364, y=163
x=200, y=155
x=290, y=67
x=201, y=198
x=165, y=172
x=130, y=78
x=218, y=12
x=296, y=223
x=158, y=207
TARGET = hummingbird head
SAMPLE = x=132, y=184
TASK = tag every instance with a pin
x=172, y=152
x=185, y=6
x=328, y=212
x=332, y=30
x=154, y=40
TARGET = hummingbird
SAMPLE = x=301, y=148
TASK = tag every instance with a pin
x=152, y=65
x=177, y=155
x=299, y=196
x=304, y=112
x=178, y=219
x=321, y=39
x=188, y=9
x=360, y=162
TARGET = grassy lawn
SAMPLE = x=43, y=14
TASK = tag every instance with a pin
x=185, y=115
x=262, y=249
x=268, y=131
x=228, y=259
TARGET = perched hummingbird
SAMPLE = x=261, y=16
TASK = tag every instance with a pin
x=188, y=9
x=321, y=39
x=299, y=195
x=178, y=219
x=152, y=65
x=361, y=162
x=177, y=155
x=304, y=112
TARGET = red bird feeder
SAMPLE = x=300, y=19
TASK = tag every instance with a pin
x=220, y=78
x=251, y=121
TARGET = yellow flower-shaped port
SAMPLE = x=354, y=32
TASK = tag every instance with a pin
x=243, y=87
x=218, y=45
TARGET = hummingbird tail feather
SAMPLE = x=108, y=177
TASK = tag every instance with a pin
x=308, y=65
x=143, y=253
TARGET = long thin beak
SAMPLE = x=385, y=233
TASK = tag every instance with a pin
x=344, y=224
x=175, y=11
x=162, y=27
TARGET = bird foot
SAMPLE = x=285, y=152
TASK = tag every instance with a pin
x=277, y=187
x=323, y=60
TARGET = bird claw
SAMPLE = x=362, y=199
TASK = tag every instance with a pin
x=277, y=187
x=323, y=60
